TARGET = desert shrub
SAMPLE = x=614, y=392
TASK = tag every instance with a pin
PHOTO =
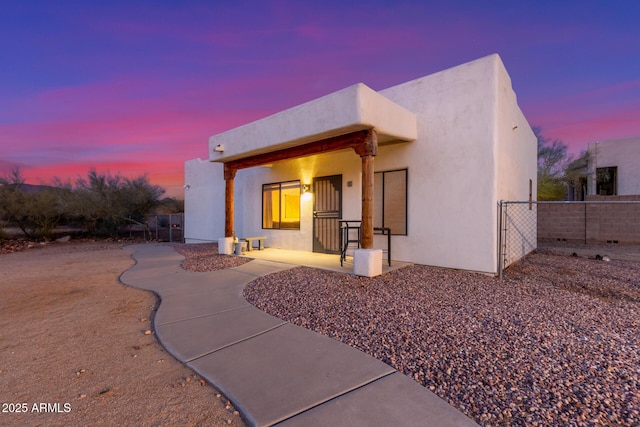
x=100, y=203
x=104, y=202
x=36, y=210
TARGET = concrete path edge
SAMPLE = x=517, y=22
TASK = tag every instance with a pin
x=273, y=372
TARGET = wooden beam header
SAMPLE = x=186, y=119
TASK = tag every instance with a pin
x=350, y=140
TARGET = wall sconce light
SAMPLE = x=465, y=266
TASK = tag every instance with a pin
x=306, y=188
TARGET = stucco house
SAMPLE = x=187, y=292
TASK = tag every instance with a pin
x=612, y=169
x=428, y=159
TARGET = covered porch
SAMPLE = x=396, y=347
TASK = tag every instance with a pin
x=356, y=118
x=321, y=261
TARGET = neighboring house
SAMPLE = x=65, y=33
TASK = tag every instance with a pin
x=429, y=159
x=577, y=179
x=608, y=180
x=613, y=167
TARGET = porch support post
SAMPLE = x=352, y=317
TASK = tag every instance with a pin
x=367, y=202
x=229, y=175
x=367, y=152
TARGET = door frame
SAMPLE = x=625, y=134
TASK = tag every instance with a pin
x=327, y=215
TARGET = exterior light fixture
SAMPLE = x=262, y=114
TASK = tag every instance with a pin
x=306, y=193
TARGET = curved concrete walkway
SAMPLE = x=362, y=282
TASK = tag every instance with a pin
x=272, y=371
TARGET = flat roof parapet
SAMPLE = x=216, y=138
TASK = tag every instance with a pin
x=354, y=108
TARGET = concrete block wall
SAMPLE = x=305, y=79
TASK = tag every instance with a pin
x=564, y=221
x=615, y=222
x=591, y=222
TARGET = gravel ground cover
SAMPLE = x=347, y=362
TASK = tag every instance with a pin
x=618, y=252
x=555, y=343
x=205, y=257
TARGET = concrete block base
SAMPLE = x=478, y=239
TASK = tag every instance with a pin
x=367, y=262
x=225, y=245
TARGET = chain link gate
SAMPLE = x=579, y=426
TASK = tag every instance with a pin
x=163, y=228
x=523, y=224
x=518, y=231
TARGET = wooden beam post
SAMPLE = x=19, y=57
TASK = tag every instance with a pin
x=367, y=202
x=367, y=152
x=229, y=175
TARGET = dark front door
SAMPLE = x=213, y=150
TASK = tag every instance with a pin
x=327, y=211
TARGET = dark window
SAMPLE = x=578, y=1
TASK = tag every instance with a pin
x=281, y=205
x=390, y=201
x=607, y=181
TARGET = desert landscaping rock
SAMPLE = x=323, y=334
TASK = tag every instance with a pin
x=205, y=257
x=555, y=343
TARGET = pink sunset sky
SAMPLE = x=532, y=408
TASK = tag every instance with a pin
x=137, y=87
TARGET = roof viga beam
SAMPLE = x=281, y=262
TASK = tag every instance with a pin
x=355, y=108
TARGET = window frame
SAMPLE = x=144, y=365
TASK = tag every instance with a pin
x=280, y=209
x=406, y=199
x=612, y=173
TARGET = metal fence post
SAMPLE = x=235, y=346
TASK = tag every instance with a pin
x=167, y=228
x=604, y=222
x=585, y=223
x=500, y=241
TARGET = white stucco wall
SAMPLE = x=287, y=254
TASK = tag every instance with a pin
x=516, y=164
x=623, y=153
x=466, y=157
x=203, y=201
x=451, y=167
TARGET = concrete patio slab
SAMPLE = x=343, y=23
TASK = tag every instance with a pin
x=376, y=404
x=286, y=371
x=193, y=338
x=262, y=267
x=317, y=260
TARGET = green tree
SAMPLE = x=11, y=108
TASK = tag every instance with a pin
x=36, y=211
x=170, y=205
x=105, y=202
x=43, y=212
x=101, y=203
x=12, y=198
x=552, y=163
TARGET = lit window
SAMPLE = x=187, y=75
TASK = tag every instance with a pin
x=390, y=201
x=281, y=205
